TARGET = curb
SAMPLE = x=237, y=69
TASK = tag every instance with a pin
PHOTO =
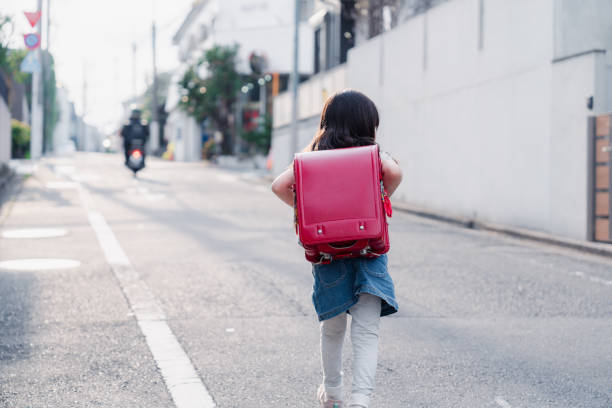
x=521, y=233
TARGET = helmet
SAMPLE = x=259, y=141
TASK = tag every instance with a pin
x=135, y=114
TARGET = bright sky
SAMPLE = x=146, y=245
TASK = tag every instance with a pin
x=92, y=40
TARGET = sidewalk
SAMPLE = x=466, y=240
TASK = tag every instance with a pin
x=585, y=246
x=6, y=174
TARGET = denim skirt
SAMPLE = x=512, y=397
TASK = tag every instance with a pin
x=338, y=284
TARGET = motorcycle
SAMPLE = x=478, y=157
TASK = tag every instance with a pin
x=136, y=157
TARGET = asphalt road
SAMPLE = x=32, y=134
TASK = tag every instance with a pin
x=484, y=320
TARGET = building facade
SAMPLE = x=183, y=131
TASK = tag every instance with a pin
x=5, y=124
x=261, y=28
x=486, y=104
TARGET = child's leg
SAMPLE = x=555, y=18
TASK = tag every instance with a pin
x=332, y=337
x=364, y=336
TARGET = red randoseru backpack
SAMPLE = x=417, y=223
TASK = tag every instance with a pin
x=340, y=204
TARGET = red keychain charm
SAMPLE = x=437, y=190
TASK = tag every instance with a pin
x=387, y=204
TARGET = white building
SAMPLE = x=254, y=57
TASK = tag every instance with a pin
x=484, y=102
x=5, y=125
x=64, y=133
x=263, y=27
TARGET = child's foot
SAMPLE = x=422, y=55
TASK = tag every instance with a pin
x=325, y=401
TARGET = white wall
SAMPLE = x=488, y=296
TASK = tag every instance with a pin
x=184, y=132
x=61, y=135
x=256, y=25
x=281, y=151
x=5, y=132
x=311, y=97
x=499, y=132
x=572, y=83
x=582, y=26
x=470, y=126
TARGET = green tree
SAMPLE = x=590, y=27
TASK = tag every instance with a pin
x=6, y=31
x=10, y=63
x=50, y=106
x=20, y=139
x=209, y=90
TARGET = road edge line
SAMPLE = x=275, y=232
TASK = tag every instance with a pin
x=180, y=376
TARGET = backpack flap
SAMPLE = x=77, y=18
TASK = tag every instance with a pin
x=338, y=195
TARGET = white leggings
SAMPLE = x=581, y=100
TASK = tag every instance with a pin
x=365, y=319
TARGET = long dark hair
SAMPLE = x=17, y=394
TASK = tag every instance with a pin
x=349, y=118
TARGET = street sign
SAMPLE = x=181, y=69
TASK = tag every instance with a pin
x=30, y=63
x=32, y=17
x=32, y=40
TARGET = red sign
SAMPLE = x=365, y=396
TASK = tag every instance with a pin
x=32, y=17
x=32, y=41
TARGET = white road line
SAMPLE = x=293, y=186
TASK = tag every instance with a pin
x=502, y=402
x=34, y=233
x=181, y=378
x=59, y=185
x=39, y=264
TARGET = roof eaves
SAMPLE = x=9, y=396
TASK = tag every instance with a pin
x=195, y=10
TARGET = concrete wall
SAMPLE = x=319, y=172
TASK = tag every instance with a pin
x=184, y=132
x=490, y=121
x=470, y=125
x=5, y=122
x=281, y=153
x=582, y=26
x=62, y=142
x=5, y=132
x=312, y=94
x=573, y=80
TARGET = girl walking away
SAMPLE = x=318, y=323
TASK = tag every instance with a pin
x=361, y=287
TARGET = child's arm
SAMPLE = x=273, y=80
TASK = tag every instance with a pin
x=283, y=186
x=392, y=174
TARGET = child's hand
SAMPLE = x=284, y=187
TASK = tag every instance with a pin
x=392, y=174
x=282, y=186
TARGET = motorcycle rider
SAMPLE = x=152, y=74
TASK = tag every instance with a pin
x=136, y=129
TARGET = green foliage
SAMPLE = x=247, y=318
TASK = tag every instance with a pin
x=6, y=31
x=15, y=57
x=211, y=95
x=261, y=136
x=209, y=90
x=50, y=107
x=10, y=62
x=20, y=139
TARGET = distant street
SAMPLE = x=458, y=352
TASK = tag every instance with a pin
x=484, y=321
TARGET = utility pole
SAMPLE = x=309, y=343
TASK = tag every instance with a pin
x=154, y=141
x=37, y=102
x=48, y=23
x=134, y=49
x=293, y=145
x=47, y=143
x=84, y=144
